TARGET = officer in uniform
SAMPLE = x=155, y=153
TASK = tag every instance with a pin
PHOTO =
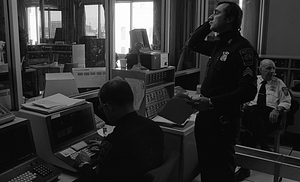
x=135, y=146
x=230, y=81
x=259, y=118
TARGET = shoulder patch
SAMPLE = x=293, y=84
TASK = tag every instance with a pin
x=285, y=90
x=104, y=148
x=247, y=56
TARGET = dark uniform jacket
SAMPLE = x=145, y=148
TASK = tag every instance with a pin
x=230, y=78
x=134, y=147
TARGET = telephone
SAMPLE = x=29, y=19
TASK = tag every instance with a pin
x=5, y=115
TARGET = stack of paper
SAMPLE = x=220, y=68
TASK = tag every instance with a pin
x=53, y=103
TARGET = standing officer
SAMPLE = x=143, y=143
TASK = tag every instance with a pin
x=230, y=81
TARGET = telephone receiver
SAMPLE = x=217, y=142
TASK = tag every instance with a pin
x=5, y=115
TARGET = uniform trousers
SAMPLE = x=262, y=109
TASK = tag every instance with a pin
x=257, y=125
x=215, y=146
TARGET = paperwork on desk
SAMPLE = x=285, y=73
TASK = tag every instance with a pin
x=175, y=113
x=52, y=103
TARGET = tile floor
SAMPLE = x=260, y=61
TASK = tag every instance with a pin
x=262, y=177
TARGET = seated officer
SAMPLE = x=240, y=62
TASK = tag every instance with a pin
x=262, y=115
x=134, y=147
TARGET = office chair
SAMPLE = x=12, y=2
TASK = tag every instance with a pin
x=277, y=136
x=68, y=67
x=162, y=173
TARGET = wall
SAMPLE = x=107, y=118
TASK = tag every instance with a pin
x=282, y=30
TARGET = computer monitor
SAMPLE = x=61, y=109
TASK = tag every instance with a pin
x=61, y=135
x=63, y=83
x=18, y=156
x=139, y=36
x=89, y=77
x=59, y=35
x=17, y=144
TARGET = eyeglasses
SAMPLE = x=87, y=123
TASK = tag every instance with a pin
x=100, y=107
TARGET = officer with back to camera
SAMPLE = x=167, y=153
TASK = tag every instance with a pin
x=135, y=146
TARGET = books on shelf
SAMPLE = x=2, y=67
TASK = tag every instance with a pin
x=52, y=103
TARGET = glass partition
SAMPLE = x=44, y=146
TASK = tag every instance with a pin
x=62, y=36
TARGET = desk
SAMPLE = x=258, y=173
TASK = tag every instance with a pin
x=41, y=70
x=182, y=140
x=177, y=139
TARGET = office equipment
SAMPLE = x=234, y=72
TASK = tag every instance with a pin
x=182, y=140
x=18, y=157
x=139, y=36
x=157, y=88
x=151, y=60
x=63, y=83
x=41, y=70
x=5, y=115
x=52, y=103
x=5, y=99
x=78, y=55
x=61, y=135
x=89, y=77
x=69, y=66
x=60, y=35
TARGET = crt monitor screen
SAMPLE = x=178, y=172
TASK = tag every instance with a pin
x=70, y=126
x=59, y=34
x=139, y=36
x=17, y=144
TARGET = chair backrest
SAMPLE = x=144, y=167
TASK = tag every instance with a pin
x=162, y=173
x=68, y=67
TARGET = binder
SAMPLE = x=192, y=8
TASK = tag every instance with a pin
x=176, y=111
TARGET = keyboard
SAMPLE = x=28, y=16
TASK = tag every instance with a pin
x=86, y=150
x=32, y=175
x=5, y=115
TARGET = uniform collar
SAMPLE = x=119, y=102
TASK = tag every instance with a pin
x=260, y=79
x=126, y=117
x=229, y=35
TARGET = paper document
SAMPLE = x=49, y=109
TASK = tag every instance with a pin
x=52, y=103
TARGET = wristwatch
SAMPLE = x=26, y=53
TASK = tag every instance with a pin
x=210, y=104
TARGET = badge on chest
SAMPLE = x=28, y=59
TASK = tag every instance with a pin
x=224, y=56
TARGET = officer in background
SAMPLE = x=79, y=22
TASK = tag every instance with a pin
x=262, y=115
x=230, y=81
x=135, y=146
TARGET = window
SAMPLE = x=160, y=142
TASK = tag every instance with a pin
x=33, y=14
x=52, y=21
x=130, y=16
x=94, y=25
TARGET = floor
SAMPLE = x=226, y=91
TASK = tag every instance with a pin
x=263, y=177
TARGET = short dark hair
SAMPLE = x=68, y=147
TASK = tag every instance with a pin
x=233, y=10
x=116, y=91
